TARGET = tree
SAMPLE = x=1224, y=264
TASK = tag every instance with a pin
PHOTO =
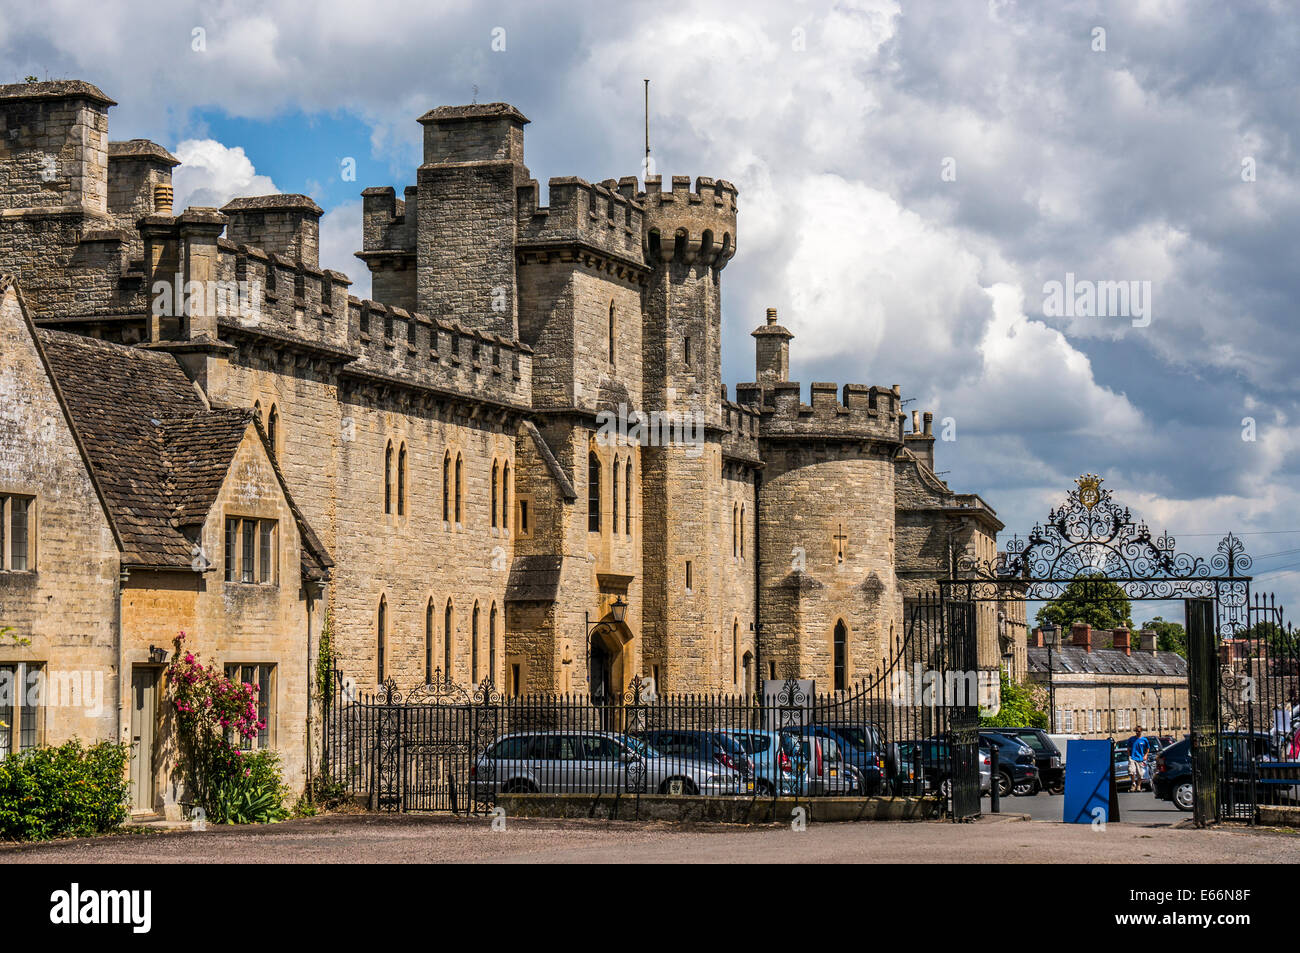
x=1021, y=706
x=1170, y=636
x=1099, y=602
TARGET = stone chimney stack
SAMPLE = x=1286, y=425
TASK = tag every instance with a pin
x=287, y=225
x=1037, y=637
x=921, y=441
x=1120, y=639
x=1147, y=640
x=1081, y=635
x=771, y=352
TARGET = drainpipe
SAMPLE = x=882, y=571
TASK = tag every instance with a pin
x=123, y=728
x=758, y=588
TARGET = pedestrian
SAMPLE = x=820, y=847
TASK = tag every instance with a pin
x=1137, y=756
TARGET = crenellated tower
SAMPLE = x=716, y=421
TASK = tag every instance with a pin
x=828, y=584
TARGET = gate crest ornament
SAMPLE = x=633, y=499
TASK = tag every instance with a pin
x=1090, y=536
x=1089, y=490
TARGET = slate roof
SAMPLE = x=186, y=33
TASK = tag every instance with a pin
x=1076, y=660
x=158, y=451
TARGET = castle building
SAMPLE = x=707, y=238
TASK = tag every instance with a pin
x=519, y=462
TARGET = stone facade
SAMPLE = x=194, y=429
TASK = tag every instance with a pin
x=526, y=427
x=1104, y=684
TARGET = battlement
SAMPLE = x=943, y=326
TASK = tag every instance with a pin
x=394, y=344
x=689, y=226
x=741, y=427
x=855, y=412
x=606, y=215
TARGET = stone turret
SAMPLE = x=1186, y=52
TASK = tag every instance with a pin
x=771, y=352
x=465, y=237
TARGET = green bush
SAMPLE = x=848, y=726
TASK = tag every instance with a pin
x=245, y=788
x=68, y=791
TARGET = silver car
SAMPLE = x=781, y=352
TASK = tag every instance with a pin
x=590, y=762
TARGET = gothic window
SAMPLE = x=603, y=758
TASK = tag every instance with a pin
x=401, y=480
x=381, y=633
x=492, y=643
x=593, y=493
x=627, y=508
x=611, y=334
x=446, y=487
x=735, y=651
x=273, y=428
x=841, y=656
x=496, y=472
x=742, y=531
x=459, y=486
x=473, y=646
x=388, y=478
x=505, y=496
x=613, y=497
x=448, y=630
x=428, y=641
x=735, y=529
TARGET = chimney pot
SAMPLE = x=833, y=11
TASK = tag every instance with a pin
x=771, y=315
x=162, y=199
x=1121, y=639
x=929, y=420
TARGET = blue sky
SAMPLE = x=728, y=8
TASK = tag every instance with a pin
x=1124, y=160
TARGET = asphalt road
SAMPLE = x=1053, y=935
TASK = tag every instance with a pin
x=1141, y=808
x=362, y=838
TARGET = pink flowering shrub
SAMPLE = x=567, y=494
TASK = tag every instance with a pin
x=215, y=716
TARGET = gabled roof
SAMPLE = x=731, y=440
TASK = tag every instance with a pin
x=158, y=451
x=1076, y=660
x=117, y=398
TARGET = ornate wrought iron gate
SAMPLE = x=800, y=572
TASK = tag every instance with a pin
x=1090, y=540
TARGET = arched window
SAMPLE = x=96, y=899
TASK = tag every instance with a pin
x=505, y=496
x=841, y=660
x=613, y=497
x=388, y=478
x=381, y=637
x=496, y=470
x=401, y=480
x=742, y=531
x=735, y=651
x=627, y=491
x=273, y=429
x=748, y=668
x=448, y=629
x=428, y=641
x=446, y=487
x=593, y=493
x=611, y=333
x=459, y=486
x=735, y=529
x=473, y=645
x=492, y=643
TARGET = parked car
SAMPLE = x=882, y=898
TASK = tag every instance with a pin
x=1017, y=766
x=866, y=765
x=1047, y=756
x=780, y=760
x=1119, y=768
x=706, y=746
x=873, y=738
x=1172, y=780
x=591, y=762
x=986, y=772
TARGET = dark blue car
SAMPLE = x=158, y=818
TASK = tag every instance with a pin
x=863, y=760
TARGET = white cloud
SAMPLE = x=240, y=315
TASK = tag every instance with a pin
x=211, y=174
x=340, y=238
